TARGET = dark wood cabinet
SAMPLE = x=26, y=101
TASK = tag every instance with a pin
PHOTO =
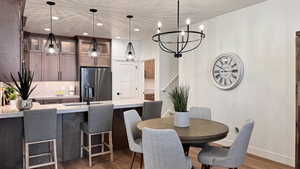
x=57, y=101
x=36, y=65
x=67, y=67
x=83, y=52
x=73, y=53
x=50, y=67
x=56, y=67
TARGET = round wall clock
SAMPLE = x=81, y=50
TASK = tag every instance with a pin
x=227, y=71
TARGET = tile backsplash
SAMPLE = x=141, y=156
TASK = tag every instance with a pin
x=54, y=88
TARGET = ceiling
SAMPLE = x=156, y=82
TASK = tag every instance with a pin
x=75, y=18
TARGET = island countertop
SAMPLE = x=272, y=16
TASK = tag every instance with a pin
x=12, y=112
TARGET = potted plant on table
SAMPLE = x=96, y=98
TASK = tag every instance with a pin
x=179, y=97
x=23, y=86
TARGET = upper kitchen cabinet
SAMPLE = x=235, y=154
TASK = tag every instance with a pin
x=57, y=67
x=83, y=52
x=10, y=37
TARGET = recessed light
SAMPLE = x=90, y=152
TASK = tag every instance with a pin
x=85, y=33
x=118, y=37
x=99, y=24
x=55, y=17
x=136, y=29
x=47, y=29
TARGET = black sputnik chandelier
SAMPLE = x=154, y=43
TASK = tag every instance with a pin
x=179, y=41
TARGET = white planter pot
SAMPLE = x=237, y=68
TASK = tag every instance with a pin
x=182, y=119
x=13, y=103
x=24, y=104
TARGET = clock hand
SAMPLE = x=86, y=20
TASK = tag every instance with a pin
x=220, y=67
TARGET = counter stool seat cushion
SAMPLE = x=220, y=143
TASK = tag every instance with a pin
x=213, y=156
x=85, y=127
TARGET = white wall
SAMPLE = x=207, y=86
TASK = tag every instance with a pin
x=264, y=37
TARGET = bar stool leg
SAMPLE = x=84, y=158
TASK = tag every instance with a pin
x=81, y=143
x=102, y=141
x=51, y=151
x=55, y=153
x=90, y=150
x=27, y=155
x=111, y=147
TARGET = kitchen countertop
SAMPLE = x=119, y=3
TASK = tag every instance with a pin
x=10, y=112
x=56, y=97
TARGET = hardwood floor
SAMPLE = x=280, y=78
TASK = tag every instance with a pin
x=122, y=161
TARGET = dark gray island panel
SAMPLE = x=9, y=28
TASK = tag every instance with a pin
x=11, y=138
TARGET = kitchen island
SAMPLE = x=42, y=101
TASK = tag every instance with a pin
x=69, y=117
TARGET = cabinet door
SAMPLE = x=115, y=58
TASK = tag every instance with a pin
x=50, y=67
x=68, y=67
x=35, y=65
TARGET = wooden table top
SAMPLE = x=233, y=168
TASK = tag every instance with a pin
x=200, y=130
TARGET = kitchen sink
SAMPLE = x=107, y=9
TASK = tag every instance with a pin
x=81, y=103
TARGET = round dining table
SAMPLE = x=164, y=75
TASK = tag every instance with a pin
x=200, y=130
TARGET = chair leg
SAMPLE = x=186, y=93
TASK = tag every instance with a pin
x=81, y=143
x=142, y=161
x=90, y=150
x=111, y=147
x=132, y=159
x=55, y=153
x=26, y=156
x=208, y=166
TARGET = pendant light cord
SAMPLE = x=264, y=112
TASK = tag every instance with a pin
x=51, y=18
x=93, y=24
x=129, y=30
x=178, y=20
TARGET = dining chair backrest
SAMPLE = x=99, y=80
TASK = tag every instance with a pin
x=200, y=112
x=100, y=118
x=152, y=110
x=40, y=125
x=162, y=149
x=131, y=119
x=239, y=147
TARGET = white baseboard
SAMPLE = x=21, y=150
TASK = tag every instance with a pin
x=265, y=153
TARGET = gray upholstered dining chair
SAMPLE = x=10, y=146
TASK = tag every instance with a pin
x=152, y=110
x=99, y=123
x=163, y=150
x=200, y=112
x=40, y=127
x=231, y=158
x=134, y=135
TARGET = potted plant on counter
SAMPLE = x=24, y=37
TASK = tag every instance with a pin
x=23, y=86
x=10, y=95
x=179, y=97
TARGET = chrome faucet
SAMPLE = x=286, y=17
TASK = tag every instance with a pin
x=88, y=94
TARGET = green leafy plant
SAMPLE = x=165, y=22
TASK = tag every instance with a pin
x=23, y=84
x=179, y=97
x=10, y=93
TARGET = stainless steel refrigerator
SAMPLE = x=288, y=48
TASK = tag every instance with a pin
x=95, y=83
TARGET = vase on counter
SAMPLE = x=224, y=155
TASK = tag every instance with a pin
x=24, y=104
x=182, y=119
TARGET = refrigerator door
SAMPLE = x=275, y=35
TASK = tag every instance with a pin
x=97, y=81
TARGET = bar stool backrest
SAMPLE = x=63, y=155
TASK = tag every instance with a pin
x=152, y=110
x=40, y=125
x=100, y=118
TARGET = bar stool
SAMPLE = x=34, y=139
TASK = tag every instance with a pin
x=152, y=110
x=99, y=123
x=40, y=127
